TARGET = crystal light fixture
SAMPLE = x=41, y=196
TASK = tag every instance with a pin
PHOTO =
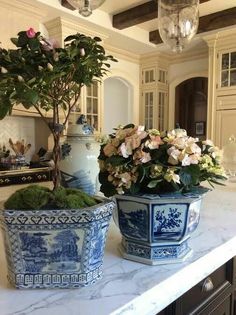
x=86, y=7
x=178, y=22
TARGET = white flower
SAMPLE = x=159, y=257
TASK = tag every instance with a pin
x=124, y=151
x=50, y=67
x=20, y=78
x=4, y=70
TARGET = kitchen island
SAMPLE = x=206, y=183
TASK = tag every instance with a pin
x=130, y=288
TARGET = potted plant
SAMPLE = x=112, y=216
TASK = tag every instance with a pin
x=156, y=180
x=52, y=238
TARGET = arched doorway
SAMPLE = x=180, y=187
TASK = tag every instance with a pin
x=118, y=94
x=191, y=106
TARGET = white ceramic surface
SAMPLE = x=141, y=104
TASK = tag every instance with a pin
x=130, y=288
x=80, y=167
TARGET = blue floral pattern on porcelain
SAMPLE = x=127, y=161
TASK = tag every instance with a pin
x=156, y=228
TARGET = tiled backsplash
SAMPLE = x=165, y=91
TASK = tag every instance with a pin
x=18, y=128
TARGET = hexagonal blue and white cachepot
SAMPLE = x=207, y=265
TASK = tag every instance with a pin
x=155, y=228
x=55, y=248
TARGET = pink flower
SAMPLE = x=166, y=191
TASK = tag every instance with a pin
x=30, y=33
x=154, y=142
x=109, y=150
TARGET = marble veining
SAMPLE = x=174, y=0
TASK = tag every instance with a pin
x=130, y=288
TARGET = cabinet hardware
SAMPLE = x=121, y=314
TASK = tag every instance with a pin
x=207, y=285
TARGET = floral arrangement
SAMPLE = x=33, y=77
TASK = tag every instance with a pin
x=40, y=74
x=136, y=160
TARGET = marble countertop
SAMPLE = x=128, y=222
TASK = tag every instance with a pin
x=129, y=288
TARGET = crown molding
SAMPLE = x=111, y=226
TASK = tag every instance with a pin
x=200, y=53
x=122, y=54
x=156, y=57
x=225, y=38
x=23, y=7
x=67, y=26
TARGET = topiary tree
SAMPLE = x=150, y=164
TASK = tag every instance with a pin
x=39, y=74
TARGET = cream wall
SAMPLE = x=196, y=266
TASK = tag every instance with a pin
x=16, y=16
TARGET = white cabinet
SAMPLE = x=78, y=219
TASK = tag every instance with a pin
x=225, y=126
x=227, y=69
x=89, y=105
x=154, y=97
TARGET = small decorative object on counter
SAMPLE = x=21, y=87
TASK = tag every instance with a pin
x=229, y=158
x=49, y=247
x=80, y=171
x=156, y=178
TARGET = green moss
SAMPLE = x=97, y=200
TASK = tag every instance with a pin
x=31, y=197
x=39, y=197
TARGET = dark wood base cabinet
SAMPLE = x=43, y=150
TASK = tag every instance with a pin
x=215, y=295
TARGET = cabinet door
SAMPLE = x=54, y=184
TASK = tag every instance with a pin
x=154, y=107
x=225, y=126
x=228, y=69
x=149, y=75
x=161, y=111
x=89, y=105
x=149, y=108
x=92, y=106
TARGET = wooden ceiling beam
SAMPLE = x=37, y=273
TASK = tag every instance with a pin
x=207, y=23
x=67, y=5
x=139, y=14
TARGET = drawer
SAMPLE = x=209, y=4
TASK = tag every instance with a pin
x=219, y=280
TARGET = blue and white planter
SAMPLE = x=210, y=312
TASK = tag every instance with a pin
x=55, y=248
x=155, y=228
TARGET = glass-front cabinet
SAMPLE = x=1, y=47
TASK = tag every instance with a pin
x=154, y=96
x=89, y=105
x=154, y=105
x=227, y=69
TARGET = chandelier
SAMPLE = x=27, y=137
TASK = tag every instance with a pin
x=86, y=7
x=178, y=22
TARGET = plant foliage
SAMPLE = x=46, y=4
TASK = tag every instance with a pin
x=41, y=75
x=137, y=160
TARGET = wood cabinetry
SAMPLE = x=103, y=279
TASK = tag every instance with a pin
x=213, y=295
x=154, y=97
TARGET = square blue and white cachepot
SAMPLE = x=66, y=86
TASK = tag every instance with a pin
x=155, y=228
x=55, y=248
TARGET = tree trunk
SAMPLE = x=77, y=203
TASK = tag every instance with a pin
x=56, y=174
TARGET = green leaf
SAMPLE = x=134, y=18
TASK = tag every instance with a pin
x=116, y=160
x=30, y=97
x=34, y=43
x=128, y=126
x=5, y=107
x=14, y=41
x=185, y=178
x=153, y=183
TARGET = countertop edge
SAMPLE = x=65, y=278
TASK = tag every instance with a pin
x=155, y=300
